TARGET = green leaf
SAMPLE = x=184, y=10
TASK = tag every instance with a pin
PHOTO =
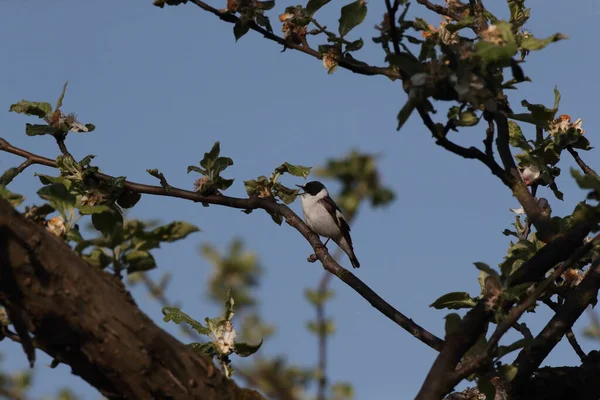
x=62, y=96
x=196, y=169
x=221, y=164
x=207, y=349
x=516, y=137
x=405, y=62
x=258, y=187
x=540, y=114
x=353, y=14
x=176, y=315
x=138, y=261
x=531, y=43
x=209, y=158
x=355, y=46
x=508, y=372
x=405, y=113
x=328, y=327
x=174, y=231
x=452, y=323
x=39, y=109
x=58, y=196
x=59, y=180
x=38, y=130
x=286, y=194
x=453, y=301
x=228, y=315
x=314, y=5
x=463, y=23
x=240, y=29
x=87, y=210
x=316, y=297
x=266, y=5
x=8, y=176
x=90, y=127
x=97, y=258
x=85, y=161
x=277, y=218
x=13, y=198
x=246, y=349
x=467, y=118
x=487, y=269
x=495, y=53
x=296, y=170
x=110, y=223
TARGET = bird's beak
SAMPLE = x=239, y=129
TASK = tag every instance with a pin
x=301, y=187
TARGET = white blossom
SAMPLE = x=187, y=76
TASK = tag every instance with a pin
x=56, y=226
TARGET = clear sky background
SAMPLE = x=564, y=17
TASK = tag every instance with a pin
x=162, y=85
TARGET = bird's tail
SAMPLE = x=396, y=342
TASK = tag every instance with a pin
x=347, y=247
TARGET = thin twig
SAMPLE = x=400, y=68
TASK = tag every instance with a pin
x=584, y=167
x=489, y=140
x=322, y=324
x=471, y=152
x=254, y=203
x=391, y=10
x=439, y=9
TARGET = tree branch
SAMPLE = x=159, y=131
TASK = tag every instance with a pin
x=570, y=334
x=292, y=219
x=361, y=68
x=516, y=313
x=575, y=304
x=85, y=318
x=584, y=167
x=440, y=10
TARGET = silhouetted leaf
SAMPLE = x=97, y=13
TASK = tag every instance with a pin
x=39, y=109
x=353, y=14
x=176, y=315
x=38, y=130
x=531, y=43
x=246, y=349
x=138, y=261
x=453, y=301
x=314, y=5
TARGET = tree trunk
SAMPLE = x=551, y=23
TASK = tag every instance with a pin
x=86, y=318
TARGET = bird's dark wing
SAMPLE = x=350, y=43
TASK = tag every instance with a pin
x=338, y=217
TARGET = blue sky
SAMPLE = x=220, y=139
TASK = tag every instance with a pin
x=163, y=85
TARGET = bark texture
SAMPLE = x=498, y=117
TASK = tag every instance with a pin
x=86, y=318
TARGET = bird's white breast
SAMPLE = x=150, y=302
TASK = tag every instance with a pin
x=317, y=218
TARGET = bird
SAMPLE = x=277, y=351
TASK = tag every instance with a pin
x=325, y=218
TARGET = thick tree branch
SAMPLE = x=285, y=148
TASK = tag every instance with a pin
x=85, y=318
x=291, y=218
x=575, y=304
x=516, y=312
x=440, y=378
x=570, y=334
x=361, y=68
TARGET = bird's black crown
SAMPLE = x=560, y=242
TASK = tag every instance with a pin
x=313, y=187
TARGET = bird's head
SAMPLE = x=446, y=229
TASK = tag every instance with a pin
x=313, y=188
